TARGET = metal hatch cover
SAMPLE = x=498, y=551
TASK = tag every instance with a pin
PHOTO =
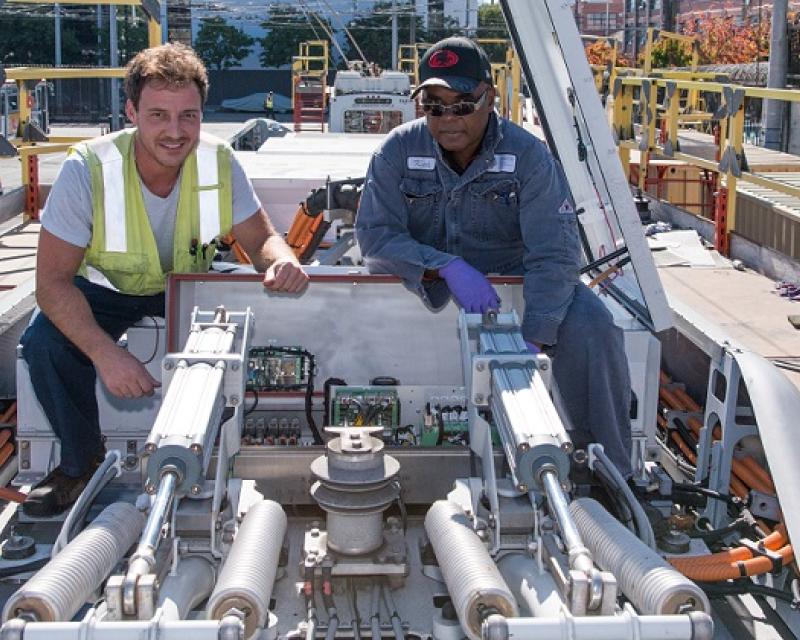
x=548, y=45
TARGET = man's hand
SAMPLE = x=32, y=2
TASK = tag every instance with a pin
x=285, y=274
x=124, y=375
x=469, y=287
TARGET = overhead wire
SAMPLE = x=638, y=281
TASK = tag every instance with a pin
x=347, y=31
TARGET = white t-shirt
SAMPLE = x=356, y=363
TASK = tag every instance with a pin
x=68, y=212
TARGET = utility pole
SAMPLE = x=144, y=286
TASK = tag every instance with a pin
x=776, y=76
x=57, y=13
x=164, y=27
x=635, y=31
x=412, y=25
x=624, y=26
x=394, y=35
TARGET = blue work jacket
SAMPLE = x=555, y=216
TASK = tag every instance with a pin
x=509, y=213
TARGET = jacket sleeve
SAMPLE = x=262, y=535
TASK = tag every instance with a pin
x=552, y=247
x=383, y=234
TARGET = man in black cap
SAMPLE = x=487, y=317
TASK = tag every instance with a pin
x=461, y=193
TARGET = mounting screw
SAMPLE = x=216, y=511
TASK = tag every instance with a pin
x=478, y=398
x=196, y=449
x=544, y=366
x=522, y=487
x=24, y=444
x=234, y=366
x=196, y=489
x=168, y=365
x=234, y=401
x=480, y=366
x=149, y=448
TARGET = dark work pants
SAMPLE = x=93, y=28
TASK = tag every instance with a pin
x=591, y=370
x=63, y=378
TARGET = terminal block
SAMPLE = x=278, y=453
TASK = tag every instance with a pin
x=275, y=368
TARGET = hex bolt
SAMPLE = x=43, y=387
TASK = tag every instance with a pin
x=234, y=401
x=149, y=448
x=544, y=366
x=196, y=489
x=522, y=487
x=478, y=398
x=234, y=366
x=480, y=366
x=24, y=444
x=196, y=449
x=168, y=365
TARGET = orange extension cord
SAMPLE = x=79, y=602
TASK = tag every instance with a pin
x=746, y=472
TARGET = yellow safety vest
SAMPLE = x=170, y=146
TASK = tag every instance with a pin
x=123, y=247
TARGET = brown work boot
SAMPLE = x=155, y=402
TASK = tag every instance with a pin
x=56, y=492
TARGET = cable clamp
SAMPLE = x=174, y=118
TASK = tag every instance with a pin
x=759, y=550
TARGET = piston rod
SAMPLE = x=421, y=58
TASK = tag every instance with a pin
x=144, y=559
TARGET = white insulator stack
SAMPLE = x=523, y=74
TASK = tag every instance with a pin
x=248, y=575
x=652, y=585
x=60, y=588
x=475, y=585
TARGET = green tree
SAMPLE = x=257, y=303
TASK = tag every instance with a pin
x=671, y=53
x=373, y=32
x=492, y=24
x=131, y=37
x=221, y=45
x=29, y=38
x=287, y=27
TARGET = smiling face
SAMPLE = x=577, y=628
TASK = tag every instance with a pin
x=168, y=127
x=461, y=136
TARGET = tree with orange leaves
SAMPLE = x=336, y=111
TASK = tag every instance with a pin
x=722, y=41
x=600, y=52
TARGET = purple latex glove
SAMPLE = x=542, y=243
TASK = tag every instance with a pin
x=469, y=287
x=532, y=347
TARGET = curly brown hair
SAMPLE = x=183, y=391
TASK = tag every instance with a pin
x=173, y=65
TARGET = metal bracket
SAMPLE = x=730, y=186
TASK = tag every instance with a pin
x=481, y=387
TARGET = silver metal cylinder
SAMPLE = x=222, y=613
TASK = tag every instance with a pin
x=356, y=485
x=645, y=578
x=579, y=556
x=148, y=543
x=354, y=534
x=626, y=626
x=248, y=574
x=60, y=588
x=537, y=592
x=531, y=431
x=182, y=591
x=475, y=585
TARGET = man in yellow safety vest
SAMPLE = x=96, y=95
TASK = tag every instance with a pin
x=269, y=105
x=126, y=210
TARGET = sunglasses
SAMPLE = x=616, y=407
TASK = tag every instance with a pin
x=459, y=109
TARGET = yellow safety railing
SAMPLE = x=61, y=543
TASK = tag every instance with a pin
x=648, y=116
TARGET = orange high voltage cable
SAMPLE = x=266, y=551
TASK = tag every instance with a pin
x=737, y=487
x=12, y=408
x=736, y=563
x=750, y=472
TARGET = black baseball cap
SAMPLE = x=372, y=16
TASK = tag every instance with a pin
x=454, y=63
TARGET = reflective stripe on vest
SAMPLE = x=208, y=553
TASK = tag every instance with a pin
x=123, y=247
x=113, y=193
x=208, y=191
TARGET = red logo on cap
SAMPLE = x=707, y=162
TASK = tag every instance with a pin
x=443, y=59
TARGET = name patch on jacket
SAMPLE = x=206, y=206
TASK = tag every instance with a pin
x=421, y=163
x=503, y=163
